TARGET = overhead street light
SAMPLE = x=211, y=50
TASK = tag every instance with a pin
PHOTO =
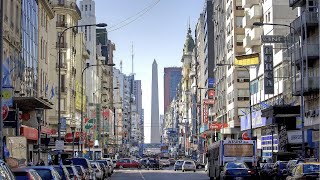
x=59, y=74
x=82, y=73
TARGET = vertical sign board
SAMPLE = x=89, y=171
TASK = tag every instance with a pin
x=268, y=69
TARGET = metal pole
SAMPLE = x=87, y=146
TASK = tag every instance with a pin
x=272, y=132
x=73, y=143
x=18, y=121
x=1, y=62
x=39, y=137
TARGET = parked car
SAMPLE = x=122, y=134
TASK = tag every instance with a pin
x=82, y=172
x=74, y=175
x=63, y=172
x=266, y=171
x=292, y=163
x=97, y=170
x=114, y=161
x=127, y=163
x=143, y=163
x=309, y=171
x=188, y=165
x=172, y=161
x=110, y=161
x=108, y=165
x=5, y=172
x=47, y=172
x=199, y=165
x=279, y=171
x=106, y=169
x=235, y=171
x=85, y=164
x=164, y=162
x=24, y=173
x=178, y=165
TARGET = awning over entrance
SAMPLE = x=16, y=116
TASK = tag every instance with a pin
x=30, y=103
x=281, y=111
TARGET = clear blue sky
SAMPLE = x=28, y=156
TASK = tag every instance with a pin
x=159, y=34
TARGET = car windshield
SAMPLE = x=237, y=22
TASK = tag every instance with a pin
x=179, y=162
x=310, y=168
x=44, y=173
x=235, y=165
x=188, y=162
x=21, y=175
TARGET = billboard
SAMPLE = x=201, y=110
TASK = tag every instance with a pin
x=78, y=97
x=268, y=69
x=247, y=60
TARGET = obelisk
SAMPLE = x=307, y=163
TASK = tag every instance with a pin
x=155, y=131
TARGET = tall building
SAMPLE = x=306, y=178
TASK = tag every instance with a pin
x=155, y=133
x=172, y=77
x=137, y=91
x=88, y=14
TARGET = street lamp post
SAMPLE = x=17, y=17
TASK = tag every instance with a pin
x=39, y=114
x=301, y=81
x=250, y=108
x=59, y=75
x=82, y=73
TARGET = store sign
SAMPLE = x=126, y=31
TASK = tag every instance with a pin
x=257, y=121
x=217, y=126
x=295, y=137
x=29, y=132
x=268, y=69
x=273, y=39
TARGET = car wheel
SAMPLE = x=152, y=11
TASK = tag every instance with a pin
x=175, y=170
x=183, y=170
x=194, y=170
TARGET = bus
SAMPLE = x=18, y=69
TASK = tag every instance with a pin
x=221, y=152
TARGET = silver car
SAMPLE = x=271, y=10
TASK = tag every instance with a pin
x=188, y=166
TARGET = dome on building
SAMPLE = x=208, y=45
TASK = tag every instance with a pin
x=189, y=43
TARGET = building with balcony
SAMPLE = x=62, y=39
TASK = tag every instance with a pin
x=306, y=68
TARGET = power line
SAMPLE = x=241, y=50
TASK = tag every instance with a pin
x=139, y=14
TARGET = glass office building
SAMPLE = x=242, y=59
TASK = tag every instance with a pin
x=29, y=52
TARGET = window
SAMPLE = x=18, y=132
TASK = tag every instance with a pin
x=243, y=94
x=240, y=40
x=85, y=7
x=17, y=19
x=90, y=7
x=243, y=76
x=269, y=14
x=11, y=14
x=239, y=21
x=81, y=7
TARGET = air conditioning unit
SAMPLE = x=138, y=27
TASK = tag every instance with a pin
x=241, y=80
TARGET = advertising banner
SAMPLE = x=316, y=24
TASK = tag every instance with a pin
x=78, y=97
x=268, y=69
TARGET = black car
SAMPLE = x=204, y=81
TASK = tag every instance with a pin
x=235, y=171
x=279, y=171
x=265, y=171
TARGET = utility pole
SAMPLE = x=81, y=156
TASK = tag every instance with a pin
x=1, y=62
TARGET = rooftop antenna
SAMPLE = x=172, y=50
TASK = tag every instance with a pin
x=132, y=56
x=121, y=66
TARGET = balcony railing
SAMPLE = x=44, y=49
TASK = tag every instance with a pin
x=66, y=4
x=249, y=3
x=296, y=3
x=308, y=18
x=61, y=24
x=62, y=45
x=62, y=65
x=255, y=11
x=311, y=84
x=310, y=51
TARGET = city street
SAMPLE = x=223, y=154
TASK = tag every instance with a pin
x=135, y=174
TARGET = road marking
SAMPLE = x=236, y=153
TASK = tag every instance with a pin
x=142, y=175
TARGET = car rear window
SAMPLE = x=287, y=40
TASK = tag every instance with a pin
x=187, y=162
x=21, y=175
x=44, y=173
x=61, y=172
x=70, y=170
x=236, y=165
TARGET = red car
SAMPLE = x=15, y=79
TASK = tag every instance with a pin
x=127, y=163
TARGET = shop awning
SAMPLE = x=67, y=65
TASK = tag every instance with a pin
x=29, y=132
x=281, y=111
x=30, y=103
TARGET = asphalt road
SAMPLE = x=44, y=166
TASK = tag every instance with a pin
x=168, y=173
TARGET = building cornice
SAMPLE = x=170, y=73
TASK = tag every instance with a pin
x=48, y=8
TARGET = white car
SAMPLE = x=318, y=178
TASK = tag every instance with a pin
x=188, y=166
x=97, y=170
x=164, y=162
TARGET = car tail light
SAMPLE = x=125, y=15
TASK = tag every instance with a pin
x=30, y=177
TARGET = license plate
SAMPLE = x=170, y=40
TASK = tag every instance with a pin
x=238, y=178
